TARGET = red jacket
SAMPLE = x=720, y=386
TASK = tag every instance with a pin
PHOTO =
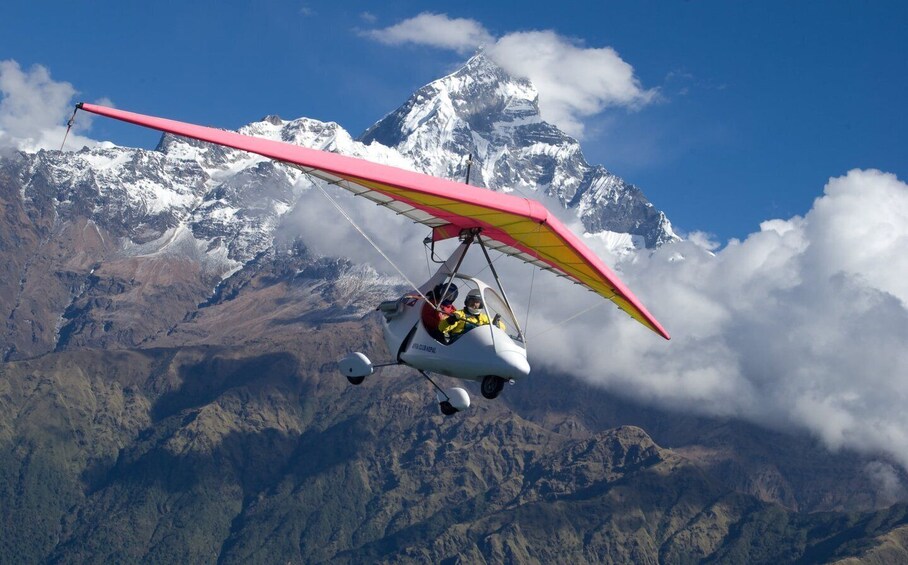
x=431, y=317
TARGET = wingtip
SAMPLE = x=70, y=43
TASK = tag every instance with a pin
x=657, y=327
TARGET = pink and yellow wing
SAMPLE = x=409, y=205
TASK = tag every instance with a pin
x=516, y=226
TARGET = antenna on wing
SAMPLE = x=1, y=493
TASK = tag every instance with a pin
x=469, y=165
x=69, y=126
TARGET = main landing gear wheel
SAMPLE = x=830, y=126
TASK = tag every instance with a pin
x=356, y=367
x=452, y=400
x=491, y=386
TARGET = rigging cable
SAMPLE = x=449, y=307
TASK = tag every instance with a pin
x=367, y=238
x=566, y=320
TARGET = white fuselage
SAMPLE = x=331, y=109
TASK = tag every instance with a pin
x=481, y=351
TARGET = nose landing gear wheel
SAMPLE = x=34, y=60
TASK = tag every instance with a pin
x=491, y=386
x=447, y=409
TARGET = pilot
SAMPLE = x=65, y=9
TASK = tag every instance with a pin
x=432, y=316
x=470, y=317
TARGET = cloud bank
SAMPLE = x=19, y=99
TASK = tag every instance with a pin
x=573, y=81
x=34, y=110
x=802, y=325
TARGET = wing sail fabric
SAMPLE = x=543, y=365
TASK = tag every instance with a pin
x=516, y=226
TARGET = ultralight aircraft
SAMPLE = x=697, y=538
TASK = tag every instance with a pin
x=492, y=353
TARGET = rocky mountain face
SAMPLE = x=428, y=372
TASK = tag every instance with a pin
x=257, y=452
x=168, y=390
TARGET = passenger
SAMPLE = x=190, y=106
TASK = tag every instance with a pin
x=432, y=316
x=470, y=317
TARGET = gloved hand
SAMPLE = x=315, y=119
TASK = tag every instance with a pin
x=497, y=319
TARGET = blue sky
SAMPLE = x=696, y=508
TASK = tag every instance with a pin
x=758, y=105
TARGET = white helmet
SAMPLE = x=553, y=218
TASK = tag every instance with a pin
x=473, y=297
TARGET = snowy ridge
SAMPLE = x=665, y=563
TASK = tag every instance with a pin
x=223, y=207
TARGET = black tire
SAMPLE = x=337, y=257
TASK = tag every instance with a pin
x=491, y=386
x=356, y=380
x=447, y=409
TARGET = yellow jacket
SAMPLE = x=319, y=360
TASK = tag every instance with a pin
x=461, y=321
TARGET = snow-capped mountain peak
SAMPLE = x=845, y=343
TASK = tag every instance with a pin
x=481, y=110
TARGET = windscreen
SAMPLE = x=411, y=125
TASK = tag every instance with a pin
x=496, y=306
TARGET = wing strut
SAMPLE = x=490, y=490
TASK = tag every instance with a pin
x=500, y=287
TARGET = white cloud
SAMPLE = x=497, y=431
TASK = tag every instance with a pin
x=574, y=82
x=803, y=325
x=34, y=110
x=316, y=220
x=863, y=224
x=436, y=30
x=889, y=484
